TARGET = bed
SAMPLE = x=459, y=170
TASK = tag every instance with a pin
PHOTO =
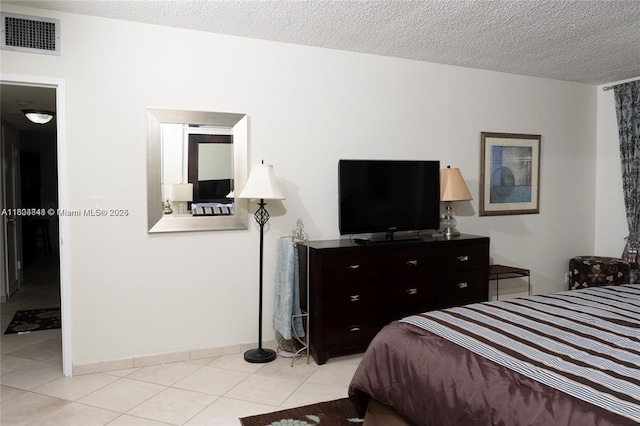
x=212, y=209
x=569, y=358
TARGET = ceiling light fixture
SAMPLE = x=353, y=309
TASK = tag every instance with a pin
x=38, y=117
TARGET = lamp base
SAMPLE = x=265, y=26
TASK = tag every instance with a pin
x=448, y=223
x=450, y=232
x=259, y=356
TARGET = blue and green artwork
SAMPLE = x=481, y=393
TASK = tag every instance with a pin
x=511, y=174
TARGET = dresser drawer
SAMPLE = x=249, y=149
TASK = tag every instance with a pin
x=351, y=296
x=351, y=330
x=408, y=297
x=409, y=263
x=410, y=291
x=349, y=268
x=398, y=312
x=462, y=287
x=462, y=258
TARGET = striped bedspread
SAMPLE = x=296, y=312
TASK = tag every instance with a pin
x=585, y=343
x=212, y=209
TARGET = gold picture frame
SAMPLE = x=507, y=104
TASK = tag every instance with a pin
x=509, y=174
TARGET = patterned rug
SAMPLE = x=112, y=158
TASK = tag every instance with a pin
x=34, y=320
x=331, y=413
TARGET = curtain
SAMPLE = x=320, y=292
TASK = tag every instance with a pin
x=627, y=98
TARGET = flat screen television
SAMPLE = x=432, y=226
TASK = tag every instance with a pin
x=388, y=196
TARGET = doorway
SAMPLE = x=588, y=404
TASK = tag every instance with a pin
x=40, y=186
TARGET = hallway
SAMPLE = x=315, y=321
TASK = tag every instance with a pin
x=37, y=356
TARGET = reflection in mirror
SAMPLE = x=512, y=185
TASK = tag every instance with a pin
x=203, y=157
x=195, y=161
x=210, y=165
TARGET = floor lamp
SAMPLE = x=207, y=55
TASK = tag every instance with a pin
x=261, y=185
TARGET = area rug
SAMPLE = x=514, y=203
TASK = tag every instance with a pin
x=34, y=320
x=331, y=413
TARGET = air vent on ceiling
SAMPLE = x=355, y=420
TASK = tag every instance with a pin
x=30, y=34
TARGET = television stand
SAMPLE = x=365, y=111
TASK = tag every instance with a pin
x=391, y=236
x=388, y=237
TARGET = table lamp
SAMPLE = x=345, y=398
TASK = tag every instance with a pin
x=452, y=188
x=182, y=193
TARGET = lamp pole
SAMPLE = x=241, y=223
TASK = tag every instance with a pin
x=261, y=185
x=260, y=355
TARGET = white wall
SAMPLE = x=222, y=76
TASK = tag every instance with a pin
x=137, y=294
x=563, y=114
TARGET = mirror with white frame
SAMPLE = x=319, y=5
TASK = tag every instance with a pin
x=203, y=155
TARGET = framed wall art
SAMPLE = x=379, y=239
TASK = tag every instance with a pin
x=509, y=174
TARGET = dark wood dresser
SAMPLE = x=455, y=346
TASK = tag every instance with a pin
x=355, y=289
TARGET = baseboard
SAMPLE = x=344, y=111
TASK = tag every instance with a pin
x=157, y=359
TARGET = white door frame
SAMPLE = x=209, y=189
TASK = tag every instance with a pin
x=63, y=203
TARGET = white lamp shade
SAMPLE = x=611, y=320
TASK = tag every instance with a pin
x=262, y=184
x=452, y=186
x=182, y=192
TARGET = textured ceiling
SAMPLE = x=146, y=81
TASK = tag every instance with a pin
x=588, y=41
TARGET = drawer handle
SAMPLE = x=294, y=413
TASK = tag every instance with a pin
x=354, y=298
x=354, y=267
x=463, y=258
x=463, y=285
x=412, y=262
x=354, y=328
x=412, y=291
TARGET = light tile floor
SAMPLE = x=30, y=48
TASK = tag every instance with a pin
x=213, y=391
